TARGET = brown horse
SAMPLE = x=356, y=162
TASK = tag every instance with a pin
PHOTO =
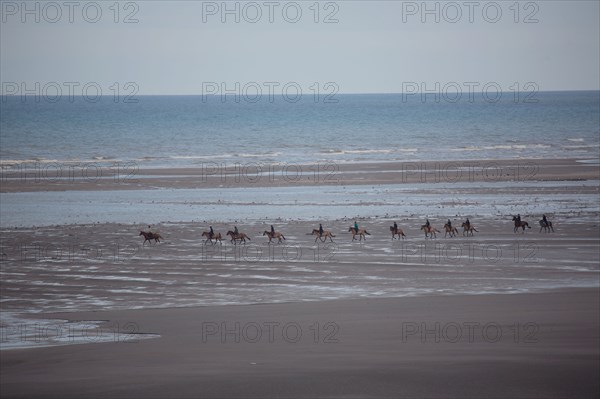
x=429, y=230
x=468, y=228
x=450, y=230
x=239, y=236
x=360, y=233
x=271, y=236
x=397, y=231
x=216, y=237
x=149, y=236
x=323, y=237
x=546, y=226
x=521, y=224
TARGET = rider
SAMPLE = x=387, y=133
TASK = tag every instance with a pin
x=235, y=230
x=544, y=220
x=211, y=233
x=518, y=217
x=427, y=223
x=395, y=227
x=356, y=226
x=449, y=224
x=320, y=230
x=468, y=223
x=272, y=230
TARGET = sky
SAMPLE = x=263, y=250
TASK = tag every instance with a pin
x=196, y=47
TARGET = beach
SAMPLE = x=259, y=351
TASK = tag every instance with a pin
x=90, y=310
x=542, y=345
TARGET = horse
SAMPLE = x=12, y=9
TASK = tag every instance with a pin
x=450, y=230
x=429, y=229
x=149, y=236
x=361, y=233
x=239, y=236
x=397, y=231
x=546, y=226
x=521, y=224
x=216, y=237
x=271, y=236
x=323, y=237
x=468, y=228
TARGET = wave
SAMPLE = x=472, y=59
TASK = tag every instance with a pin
x=370, y=151
x=517, y=147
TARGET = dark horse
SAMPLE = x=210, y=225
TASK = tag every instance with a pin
x=149, y=236
x=546, y=226
x=521, y=224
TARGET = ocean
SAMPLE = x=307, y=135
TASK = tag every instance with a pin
x=190, y=131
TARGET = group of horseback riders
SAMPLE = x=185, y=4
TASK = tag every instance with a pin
x=544, y=223
x=467, y=223
x=211, y=232
x=355, y=229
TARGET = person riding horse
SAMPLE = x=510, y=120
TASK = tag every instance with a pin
x=235, y=231
x=320, y=230
x=468, y=223
x=211, y=233
x=427, y=223
x=356, y=226
x=449, y=223
x=272, y=230
x=545, y=221
x=395, y=228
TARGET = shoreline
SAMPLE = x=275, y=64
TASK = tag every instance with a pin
x=521, y=345
x=128, y=176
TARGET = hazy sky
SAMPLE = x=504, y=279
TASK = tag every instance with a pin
x=181, y=47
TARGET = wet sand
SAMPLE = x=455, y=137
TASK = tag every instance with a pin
x=543, y=345
x=131, y=176
x=343, y=319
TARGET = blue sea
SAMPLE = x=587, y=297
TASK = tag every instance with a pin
x=188, y=131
